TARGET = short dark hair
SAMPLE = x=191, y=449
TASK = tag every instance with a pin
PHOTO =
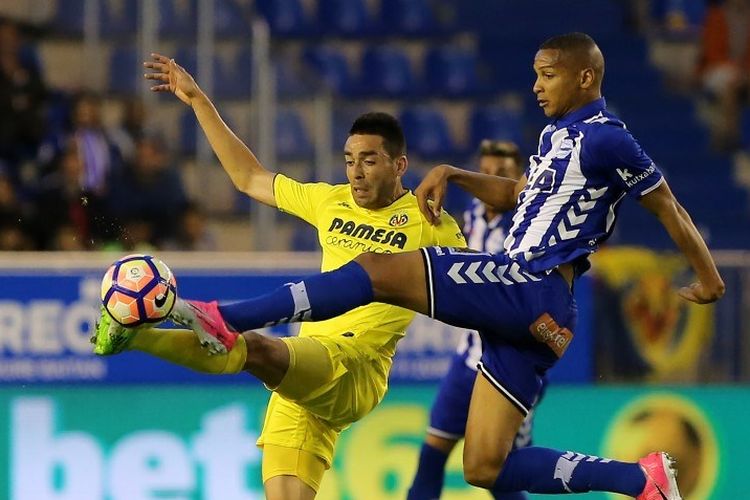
x=580, y=46
x=501, y=149
x=569, y=42
x=384, y=125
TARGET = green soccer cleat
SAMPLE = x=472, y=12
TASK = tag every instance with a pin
x=110, y=337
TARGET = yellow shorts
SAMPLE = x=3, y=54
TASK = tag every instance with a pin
x=331, y=383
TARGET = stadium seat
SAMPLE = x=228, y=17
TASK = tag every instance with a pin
x=427, y=133
x=178, y=18
x=345, y=18
x=231, y=20
x=331, y=67
x=292, y=140
x=188, y=132
x=286, y=18
x=386, y=71
x=495, y=123
x=124, y=71
x=679, y=18
x=451, y=72
x=408, y=18
x=68, y=20
x=119, y=18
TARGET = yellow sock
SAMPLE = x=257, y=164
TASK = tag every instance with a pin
x=183, y=348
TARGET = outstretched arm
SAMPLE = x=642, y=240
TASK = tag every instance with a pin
x=709, y=287
x=500, y=193
x=246, y=172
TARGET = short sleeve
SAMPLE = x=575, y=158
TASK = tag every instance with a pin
x=301, y=200
x=613, y=152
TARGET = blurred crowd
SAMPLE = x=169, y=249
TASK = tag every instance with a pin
x=67, y=182
x=70, y=182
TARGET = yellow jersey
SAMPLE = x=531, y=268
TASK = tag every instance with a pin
x=346, y=230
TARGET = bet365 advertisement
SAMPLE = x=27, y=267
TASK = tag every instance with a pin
x=133, y=443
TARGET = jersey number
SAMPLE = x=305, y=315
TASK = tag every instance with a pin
x=544, y=181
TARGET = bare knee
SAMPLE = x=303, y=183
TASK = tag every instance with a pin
x=481, y=469
x=267, y=358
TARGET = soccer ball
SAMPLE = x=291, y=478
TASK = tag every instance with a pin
x=138, y=289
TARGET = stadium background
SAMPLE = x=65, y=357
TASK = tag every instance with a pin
x=646, y=370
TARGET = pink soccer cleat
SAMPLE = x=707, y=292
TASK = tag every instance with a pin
x=205, y=320
x=661, y=477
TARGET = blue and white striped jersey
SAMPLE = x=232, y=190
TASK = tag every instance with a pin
x=586, y=162
x=484, y=235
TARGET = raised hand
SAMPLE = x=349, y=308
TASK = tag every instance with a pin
x=431, y=191
x=173, y=77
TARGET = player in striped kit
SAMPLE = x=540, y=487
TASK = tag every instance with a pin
x=520, y=300
x=485, y=230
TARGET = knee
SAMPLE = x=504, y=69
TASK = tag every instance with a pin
x=481, y=470
x=372, y=264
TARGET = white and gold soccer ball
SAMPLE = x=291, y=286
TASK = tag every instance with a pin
x=138, y=289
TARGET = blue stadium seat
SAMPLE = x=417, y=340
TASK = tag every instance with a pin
x=178, y=19
x=495, y=123
x=125, y=71
x=188, y=132
x=409, y=18
x=286, y=18
x=239, y=75
x=386, y=71
x=292, y=140
x=231, y=20
x=679, y=18
x=427, y=133
x=451, y=72
x=68, y=19
x=345, y=18
x=119, y=18
x=331, y=67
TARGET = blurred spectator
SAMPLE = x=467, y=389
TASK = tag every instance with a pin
x=22, y=96
x=193, y=232
x=98, y=153
x=15, y=219
x=67, y=212
x=724, y=65
x=130, y=129
x=150, y=191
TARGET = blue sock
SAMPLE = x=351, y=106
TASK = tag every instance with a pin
x=428, y=482
x=315, y=298
x=542, y=470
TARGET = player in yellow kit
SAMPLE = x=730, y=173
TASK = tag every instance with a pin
x=335, y=371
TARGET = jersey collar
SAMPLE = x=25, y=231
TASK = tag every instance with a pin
x=579, y=114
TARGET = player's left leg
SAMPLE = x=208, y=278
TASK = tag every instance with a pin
x=397, y=279
x=493, y=418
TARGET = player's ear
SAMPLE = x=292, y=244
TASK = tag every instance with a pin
x=587, y=78
x=402, y=165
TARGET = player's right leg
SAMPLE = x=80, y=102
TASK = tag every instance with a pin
x=178, y=346
x=291, y=473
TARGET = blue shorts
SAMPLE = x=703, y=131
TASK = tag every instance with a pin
x=525, y=319
x=450, y=411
